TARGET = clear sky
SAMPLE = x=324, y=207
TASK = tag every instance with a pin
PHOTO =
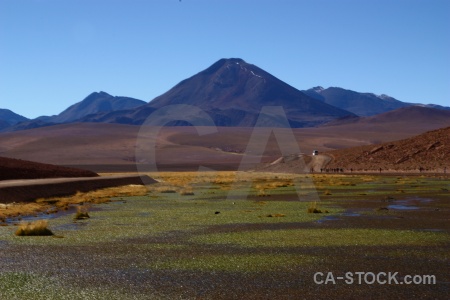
x=53, y=53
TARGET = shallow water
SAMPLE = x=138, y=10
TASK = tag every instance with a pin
x=402, y=207
x=328, y=218
x=409, y=203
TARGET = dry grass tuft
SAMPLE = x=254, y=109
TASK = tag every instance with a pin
x=37, y=228
x=263, y=193
x=275, y=216
x=312, y=209
x=82, y=212
x=167, y=191
x=187, y=191
x=260, y=202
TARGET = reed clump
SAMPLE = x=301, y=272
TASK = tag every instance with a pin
x=37, y=228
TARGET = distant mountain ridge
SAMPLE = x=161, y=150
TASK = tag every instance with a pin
x=9, y=118
x=95, y=103
x=233, y=92
x=361, y=104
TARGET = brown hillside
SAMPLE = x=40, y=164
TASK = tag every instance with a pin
x=429, y=151
x=21, y=169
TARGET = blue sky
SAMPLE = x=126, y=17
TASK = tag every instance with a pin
x=54, y=53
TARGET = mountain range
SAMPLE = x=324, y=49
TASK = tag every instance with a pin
x=232, y=92
x=361, y=104
x=95, y=103
x=9, y=118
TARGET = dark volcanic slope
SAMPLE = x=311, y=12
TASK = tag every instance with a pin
x=21, y=169
x=4, y=124
x=233, y=92
x=9, y=118
x=430, y=151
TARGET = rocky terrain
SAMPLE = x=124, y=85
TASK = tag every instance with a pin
x=429, y=151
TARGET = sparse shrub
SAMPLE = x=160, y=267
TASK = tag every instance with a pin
x=187, y=191
x=82, y=213
x=168, y=191
x=37, y=228
x=312, y=209
x=261, y=202
x=382, y=209
x=275, y=215
x=262, y=193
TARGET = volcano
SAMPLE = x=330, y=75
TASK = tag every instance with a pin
x=233, y=92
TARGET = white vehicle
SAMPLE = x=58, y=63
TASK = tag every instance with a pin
x=315, y=152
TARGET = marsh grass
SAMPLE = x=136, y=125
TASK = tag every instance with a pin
x=22, y=209
x=36, y=228
x=174, y=233
x=244, y=263
x=323, y=238
x=32, y=285
x=96, y=197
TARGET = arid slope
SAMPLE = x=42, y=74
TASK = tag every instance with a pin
x=427, y=151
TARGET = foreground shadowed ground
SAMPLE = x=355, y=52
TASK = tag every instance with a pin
x=185, y=240
x=11, y=168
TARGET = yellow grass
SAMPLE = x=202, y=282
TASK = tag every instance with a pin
x=21, y=209
x=98, y=196
x=62, y=203
x=37, y=228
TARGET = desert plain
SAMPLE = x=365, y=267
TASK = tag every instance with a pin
x=257, y=233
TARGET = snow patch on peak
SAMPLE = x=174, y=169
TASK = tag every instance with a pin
x=318, y=89
x=255, y=74
x=384, y=97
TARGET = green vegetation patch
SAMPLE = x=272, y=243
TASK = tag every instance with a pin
x=19, y=285
x=237, y=263
x=323, y=238
x=145, y=216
